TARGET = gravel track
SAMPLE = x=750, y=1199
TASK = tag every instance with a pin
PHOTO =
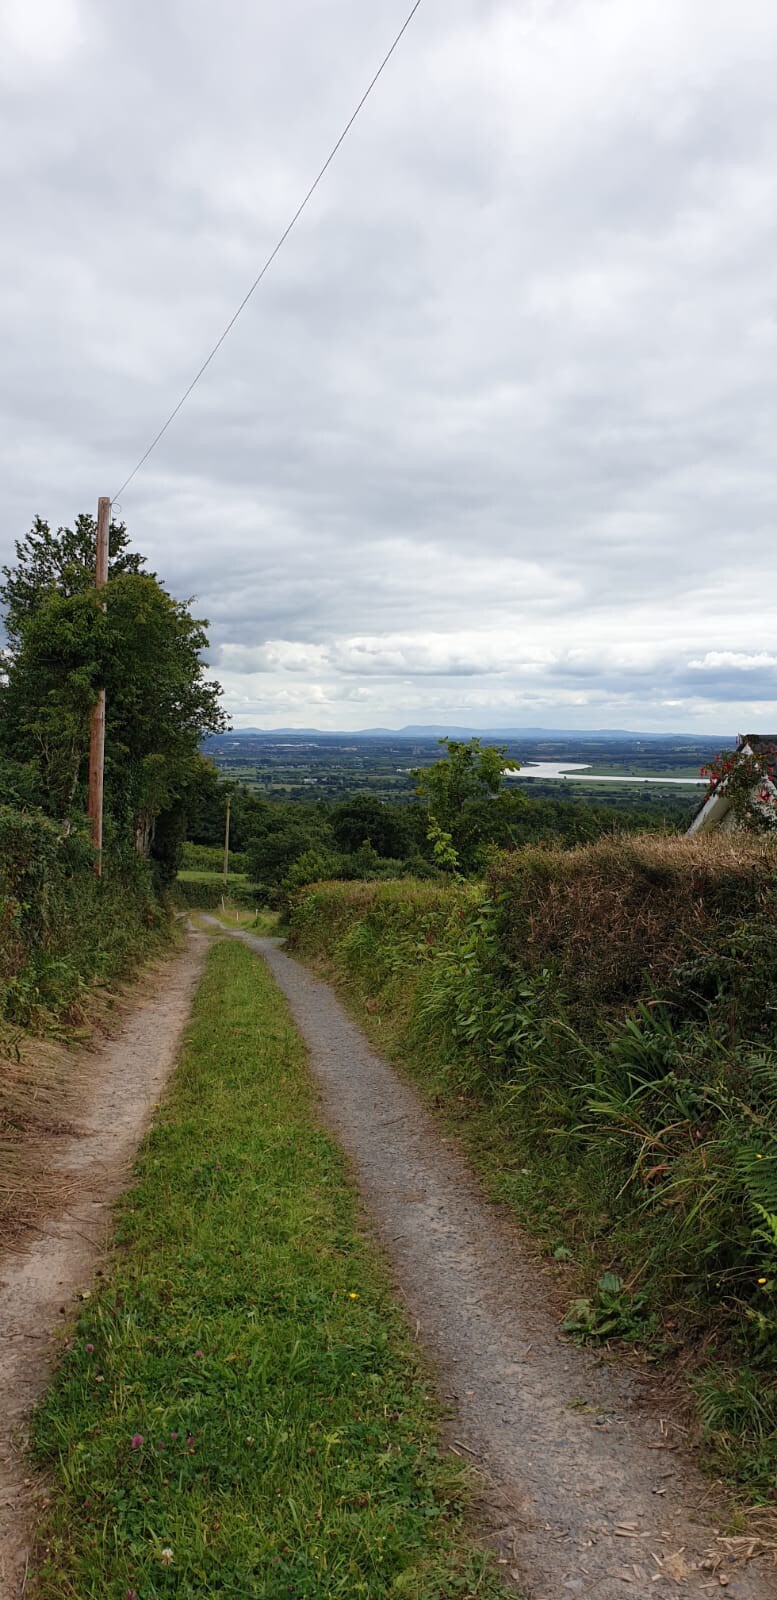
x=587, y=1493
x=39, y=1280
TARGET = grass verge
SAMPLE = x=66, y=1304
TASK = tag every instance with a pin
x=241, y=1410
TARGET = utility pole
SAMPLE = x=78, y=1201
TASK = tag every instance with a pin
x=226, y=838
x=97, y=729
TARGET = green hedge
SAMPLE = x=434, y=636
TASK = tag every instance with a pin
x=210, y=858
x=61, y=928
x=601, y=1025
x=205, y=894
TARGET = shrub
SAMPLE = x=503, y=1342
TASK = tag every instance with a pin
x=605, y=1018
x=61, y=928
x=210, y=858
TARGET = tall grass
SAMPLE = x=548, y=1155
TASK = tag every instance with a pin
x=601, y=1023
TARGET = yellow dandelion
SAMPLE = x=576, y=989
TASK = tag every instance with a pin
x=761, y=1280
x=352, y=1296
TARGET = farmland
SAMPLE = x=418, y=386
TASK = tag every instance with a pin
x=327, y=766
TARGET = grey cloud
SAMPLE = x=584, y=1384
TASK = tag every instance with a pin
x=512, y=376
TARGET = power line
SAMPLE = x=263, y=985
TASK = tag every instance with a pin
x=270, y=259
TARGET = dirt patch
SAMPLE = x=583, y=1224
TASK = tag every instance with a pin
x=590, y=1491
x=40, y=1280
x=43, y=1081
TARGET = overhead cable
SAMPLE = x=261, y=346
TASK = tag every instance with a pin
x=270, y=259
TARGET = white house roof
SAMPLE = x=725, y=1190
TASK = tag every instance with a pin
x=717, y=803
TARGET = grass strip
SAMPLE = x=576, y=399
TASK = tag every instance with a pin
x=240, y=1411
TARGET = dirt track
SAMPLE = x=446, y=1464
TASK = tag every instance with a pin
x=39, y=1280
x=588, y=1495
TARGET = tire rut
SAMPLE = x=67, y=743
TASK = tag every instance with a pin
x=39, y=1281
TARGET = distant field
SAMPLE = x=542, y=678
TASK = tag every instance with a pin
x=233, y=881
x=330, y=767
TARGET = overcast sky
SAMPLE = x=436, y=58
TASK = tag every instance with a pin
x=495, y=441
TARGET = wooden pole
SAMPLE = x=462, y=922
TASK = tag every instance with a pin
x=97, y=730
x=226, y=841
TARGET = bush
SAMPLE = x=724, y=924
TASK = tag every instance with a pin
x=61, y=928
x=210, y=858
x=206, y=894
x=604, y=1019
x=616, y=917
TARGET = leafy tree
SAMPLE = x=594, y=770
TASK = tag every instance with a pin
x=60, y=563
x=19, y=784
x=160, y=703
x=206, y=809
x=457, y=792
x=366, y=819
x=144, y=647
x=273, y=853
x=51, y=679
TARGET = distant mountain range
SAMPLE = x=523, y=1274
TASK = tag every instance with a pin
x=441, y=731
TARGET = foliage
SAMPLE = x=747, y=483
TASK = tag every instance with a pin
x=62, y=564
x=210, y=858
x=260, y=1413
x=615, y=1313
x=279, y=833
x=455, y=791
x=61, y=928
x=205, y=891
x=207, y=804
x=618, y=917
x=600, y=1024
x=391, y=829
x=749, y=782
x=138, y=643
x=283, y=842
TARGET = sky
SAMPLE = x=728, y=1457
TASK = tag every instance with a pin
x=494, y=442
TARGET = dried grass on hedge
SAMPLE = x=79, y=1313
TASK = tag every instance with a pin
x=617, y=917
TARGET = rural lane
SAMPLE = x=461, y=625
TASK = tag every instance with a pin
x=586, y=1492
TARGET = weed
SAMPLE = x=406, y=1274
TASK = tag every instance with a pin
x=615, y=1313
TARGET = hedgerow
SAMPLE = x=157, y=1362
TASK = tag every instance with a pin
x=61, y=928
x=601, y=1025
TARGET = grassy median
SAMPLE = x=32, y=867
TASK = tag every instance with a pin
x=241, y=1411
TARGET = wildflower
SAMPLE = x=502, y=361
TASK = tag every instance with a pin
x=132, y=1594
x=198, y=1355
x=137, y=1440
x=89, y=1349
x=352, y=1296
x=166, y=1557
x=762, y=1281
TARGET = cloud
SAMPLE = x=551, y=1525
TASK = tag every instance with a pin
x=496, y=433
x=737, y=660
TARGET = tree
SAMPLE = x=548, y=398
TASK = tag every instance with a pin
x=160, y=703
x=458, y=792
x=366, y=819
x=145, y=648
x=60, y=563
x=273, y=853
